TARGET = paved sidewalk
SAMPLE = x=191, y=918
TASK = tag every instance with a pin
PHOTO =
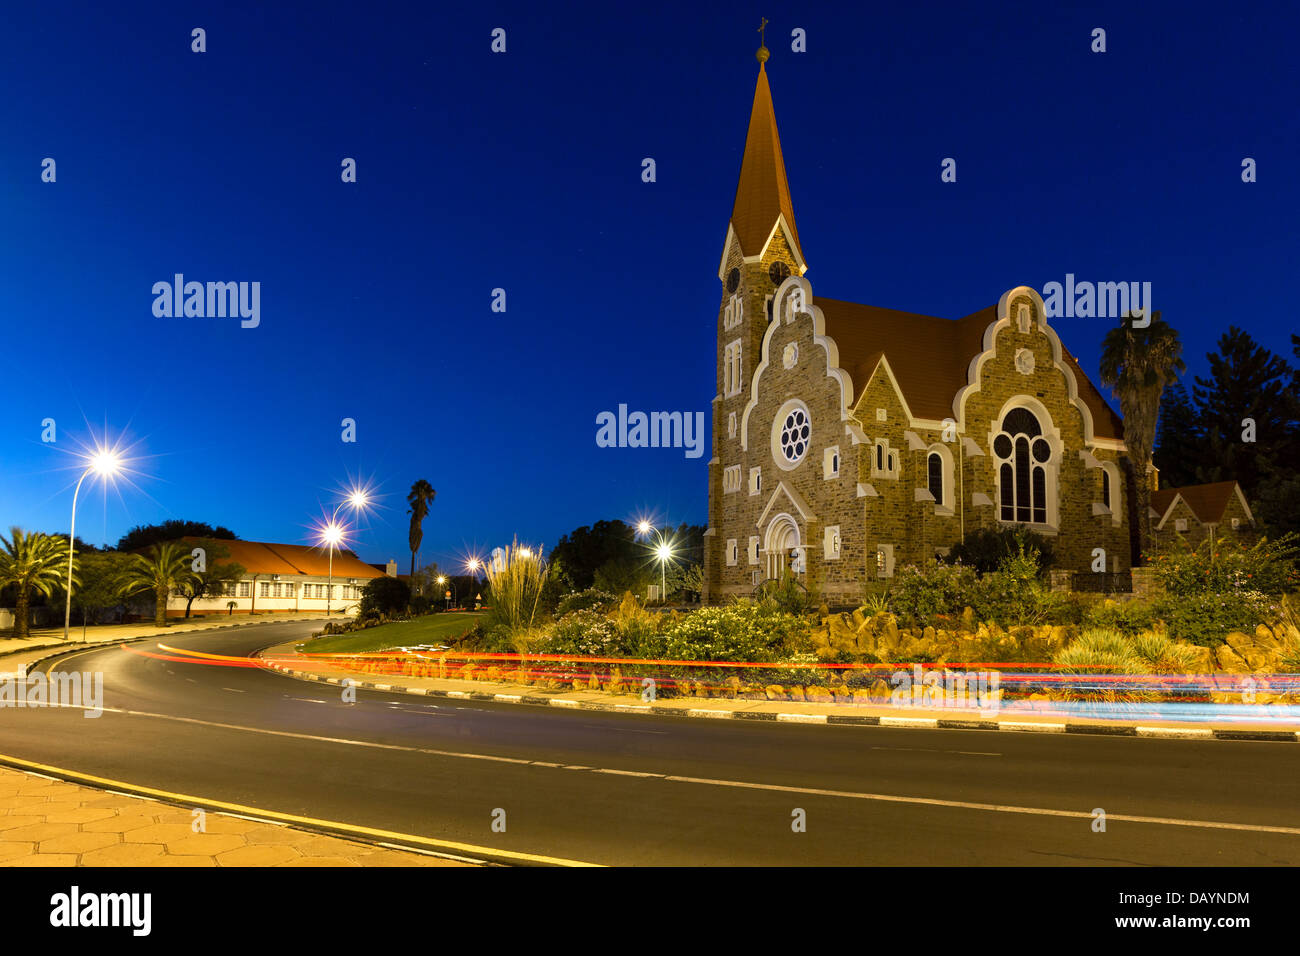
x=1025, y=716
x=18, y=652
x=46, y=822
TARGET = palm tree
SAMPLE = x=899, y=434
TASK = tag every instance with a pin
x=1137, y=363
x=30, y=562
x=419, y=498
x=163, y=569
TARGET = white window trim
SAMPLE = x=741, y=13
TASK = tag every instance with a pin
x=730, y=479
x=777, y=423
x=888, y=570
x=889, y=456
x=731, y=369
x=753, y=548
x=731, y=552
x=832, y=544
x=831, y=463
x=755, y=481
x=946, y=476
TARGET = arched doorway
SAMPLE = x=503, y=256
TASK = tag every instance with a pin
x=782, y=539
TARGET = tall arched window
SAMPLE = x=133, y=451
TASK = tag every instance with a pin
x=934, y=468
x=1022, y=454
x=1105, y=488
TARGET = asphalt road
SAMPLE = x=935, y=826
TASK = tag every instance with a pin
x=651, y=790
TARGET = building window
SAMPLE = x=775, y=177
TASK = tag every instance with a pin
x=1023, y=455
x=264, y=590
x=275, y=589
x=1180, y=524
x=731, y=479
x=734, y=313
x=1024, y=318
x=1236, y=523
x=884, y=560
x=886, y=463
x=288, y=589
x=831, y=543
x=796, y=431
x=755, y=481
x=831, y=462
x=245, y=589
x=1105, y=487
x=934, y=473
x=731, y=425
x=733, y=555
x=753, y=549
x=731, y=384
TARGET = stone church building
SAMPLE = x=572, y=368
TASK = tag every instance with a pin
x=850, y=439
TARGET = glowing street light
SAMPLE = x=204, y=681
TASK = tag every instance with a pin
x=442, y=582
x=333, y=534
x=525, y=552
x=664, y=552
x=105, y=463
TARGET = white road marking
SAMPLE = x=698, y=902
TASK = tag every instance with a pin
x=737, y=784
x=234, y=690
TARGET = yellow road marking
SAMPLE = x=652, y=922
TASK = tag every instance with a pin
x=186, y=798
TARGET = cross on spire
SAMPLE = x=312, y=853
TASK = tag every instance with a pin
x=762, y=38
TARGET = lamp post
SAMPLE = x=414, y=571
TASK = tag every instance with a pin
x=105, y=464
x=334, y=533
x=663, y=551
x=442, y=582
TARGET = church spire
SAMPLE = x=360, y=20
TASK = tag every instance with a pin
x=763, y=192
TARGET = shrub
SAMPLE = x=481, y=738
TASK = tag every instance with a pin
x=1126, y=617
x=986, y=550
x=1100, y=652
x=588, y=600
x=1205, y=619
x=1161, y=655
x=920, y=595
x=1226, y=566
x=516, y=584
x=1013, y=594
x=742, y=631
x=585, y=633
x=786, y=596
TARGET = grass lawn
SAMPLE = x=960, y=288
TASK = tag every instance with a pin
x=429, y=629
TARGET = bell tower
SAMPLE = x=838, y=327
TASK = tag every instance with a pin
x=761, y=250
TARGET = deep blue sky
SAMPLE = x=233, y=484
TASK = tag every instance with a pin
x=522, y=171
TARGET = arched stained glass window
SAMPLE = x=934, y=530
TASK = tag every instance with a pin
x=1023, y=455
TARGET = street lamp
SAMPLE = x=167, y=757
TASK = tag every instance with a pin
x=334, y=533
x=104, y=463
x=442, y=581
x=664, y=552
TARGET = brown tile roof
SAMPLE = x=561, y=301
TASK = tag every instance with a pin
x=259, y=557
x=763, y=191
x=930, y=356
x=1208, y=502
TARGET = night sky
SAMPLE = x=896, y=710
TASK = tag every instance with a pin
x=522, y=171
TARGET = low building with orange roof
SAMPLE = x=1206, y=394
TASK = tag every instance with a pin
x=285, y=579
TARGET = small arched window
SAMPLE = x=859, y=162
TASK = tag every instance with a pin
x=934, y=468
x=1105, y=488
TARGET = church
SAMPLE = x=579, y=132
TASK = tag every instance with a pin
x=850, y=440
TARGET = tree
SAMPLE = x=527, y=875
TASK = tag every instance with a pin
x=99, y=582
x=419, y=498
x=384, y=595
x=1137, y=363
x=30, y=562
x=164, y=568
x=1247, y=412
x=1180, y=440
x=586, y=550
x=217, y=577
x=142, y=536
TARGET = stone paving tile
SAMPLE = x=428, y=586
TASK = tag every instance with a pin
x=54, y=823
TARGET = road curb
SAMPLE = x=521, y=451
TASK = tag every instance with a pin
x=71, y=647
x=835, y=720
